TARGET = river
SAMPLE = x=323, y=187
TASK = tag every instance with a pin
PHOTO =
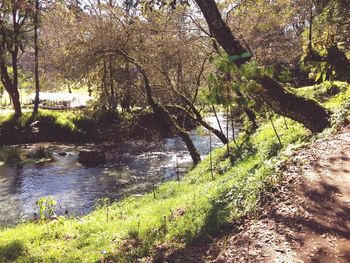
x=131, y=169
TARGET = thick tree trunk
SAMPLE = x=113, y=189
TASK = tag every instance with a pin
x=338, y=60
x=220, y=30
x=294, y=107
x=312, y=115
x=335, y=57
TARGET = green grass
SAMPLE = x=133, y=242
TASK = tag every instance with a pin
x=55, y=126
x=322, y=93
x=178, y=213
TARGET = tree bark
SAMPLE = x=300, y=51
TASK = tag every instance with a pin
x=312, y=115
x=335, y=57
x=8, y=84
x=290, y=105
x=165, y=117
x=200, y=121
x=220, y=30
x=338, y=60
x=198, y=117
x=14, y=55
x=36, y=59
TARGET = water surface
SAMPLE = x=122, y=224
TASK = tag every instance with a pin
x=131, y=169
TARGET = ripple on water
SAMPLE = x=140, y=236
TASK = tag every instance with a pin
x=77, y=188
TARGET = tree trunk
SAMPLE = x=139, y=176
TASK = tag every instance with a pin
x=111, y=83
x=165, y=117
x=36, y=60
x=14, y=94
x=220, y=30
x=251, y=116
x=312, y=115
x=338, y=60
x=308, y=112
x=14, y=55
x=199, y=119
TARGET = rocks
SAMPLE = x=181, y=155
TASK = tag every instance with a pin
x=91, y=158
x=62, y=153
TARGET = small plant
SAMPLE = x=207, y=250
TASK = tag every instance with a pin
x=46, y=207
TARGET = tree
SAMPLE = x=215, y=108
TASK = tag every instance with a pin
x=13, y=22
x=36, y=62
x=308, y=112
x=329, y=38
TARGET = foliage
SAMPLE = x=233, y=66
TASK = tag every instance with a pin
x=52, y=126
x=189, y=210
x=182, y=212
x=10, y=155
x=46, y=207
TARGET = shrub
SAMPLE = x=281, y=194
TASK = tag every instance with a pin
x=10, y=155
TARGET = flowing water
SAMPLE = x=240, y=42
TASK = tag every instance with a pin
x=131, y=169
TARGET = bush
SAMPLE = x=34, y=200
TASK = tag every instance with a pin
x=10, y=155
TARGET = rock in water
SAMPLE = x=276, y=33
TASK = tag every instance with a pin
x=91, y=158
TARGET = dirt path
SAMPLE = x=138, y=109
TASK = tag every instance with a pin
x=308, y=219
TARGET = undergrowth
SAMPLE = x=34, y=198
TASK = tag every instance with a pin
x=176, y=213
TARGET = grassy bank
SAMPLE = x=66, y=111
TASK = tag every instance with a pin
x=65, y=126
x=176, y=213
x=81, y=126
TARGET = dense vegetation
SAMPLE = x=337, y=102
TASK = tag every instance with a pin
x=155, y=68
x=178, y=212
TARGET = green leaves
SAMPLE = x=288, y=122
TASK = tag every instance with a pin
x=46, y=207
x=252, y=70
x=216, y=90
x=224, y=64
x=321, y=71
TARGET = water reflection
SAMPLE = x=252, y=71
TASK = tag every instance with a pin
x=128, y=171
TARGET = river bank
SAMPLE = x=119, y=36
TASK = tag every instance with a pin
x=83, y=126
x=132, y=167
x=208, y=201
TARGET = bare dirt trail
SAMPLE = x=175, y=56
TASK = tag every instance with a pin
x=307, y=219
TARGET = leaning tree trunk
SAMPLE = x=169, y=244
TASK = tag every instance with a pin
x=288, y=105
x=198, y=118
x=164, y=116
x=335, y=57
